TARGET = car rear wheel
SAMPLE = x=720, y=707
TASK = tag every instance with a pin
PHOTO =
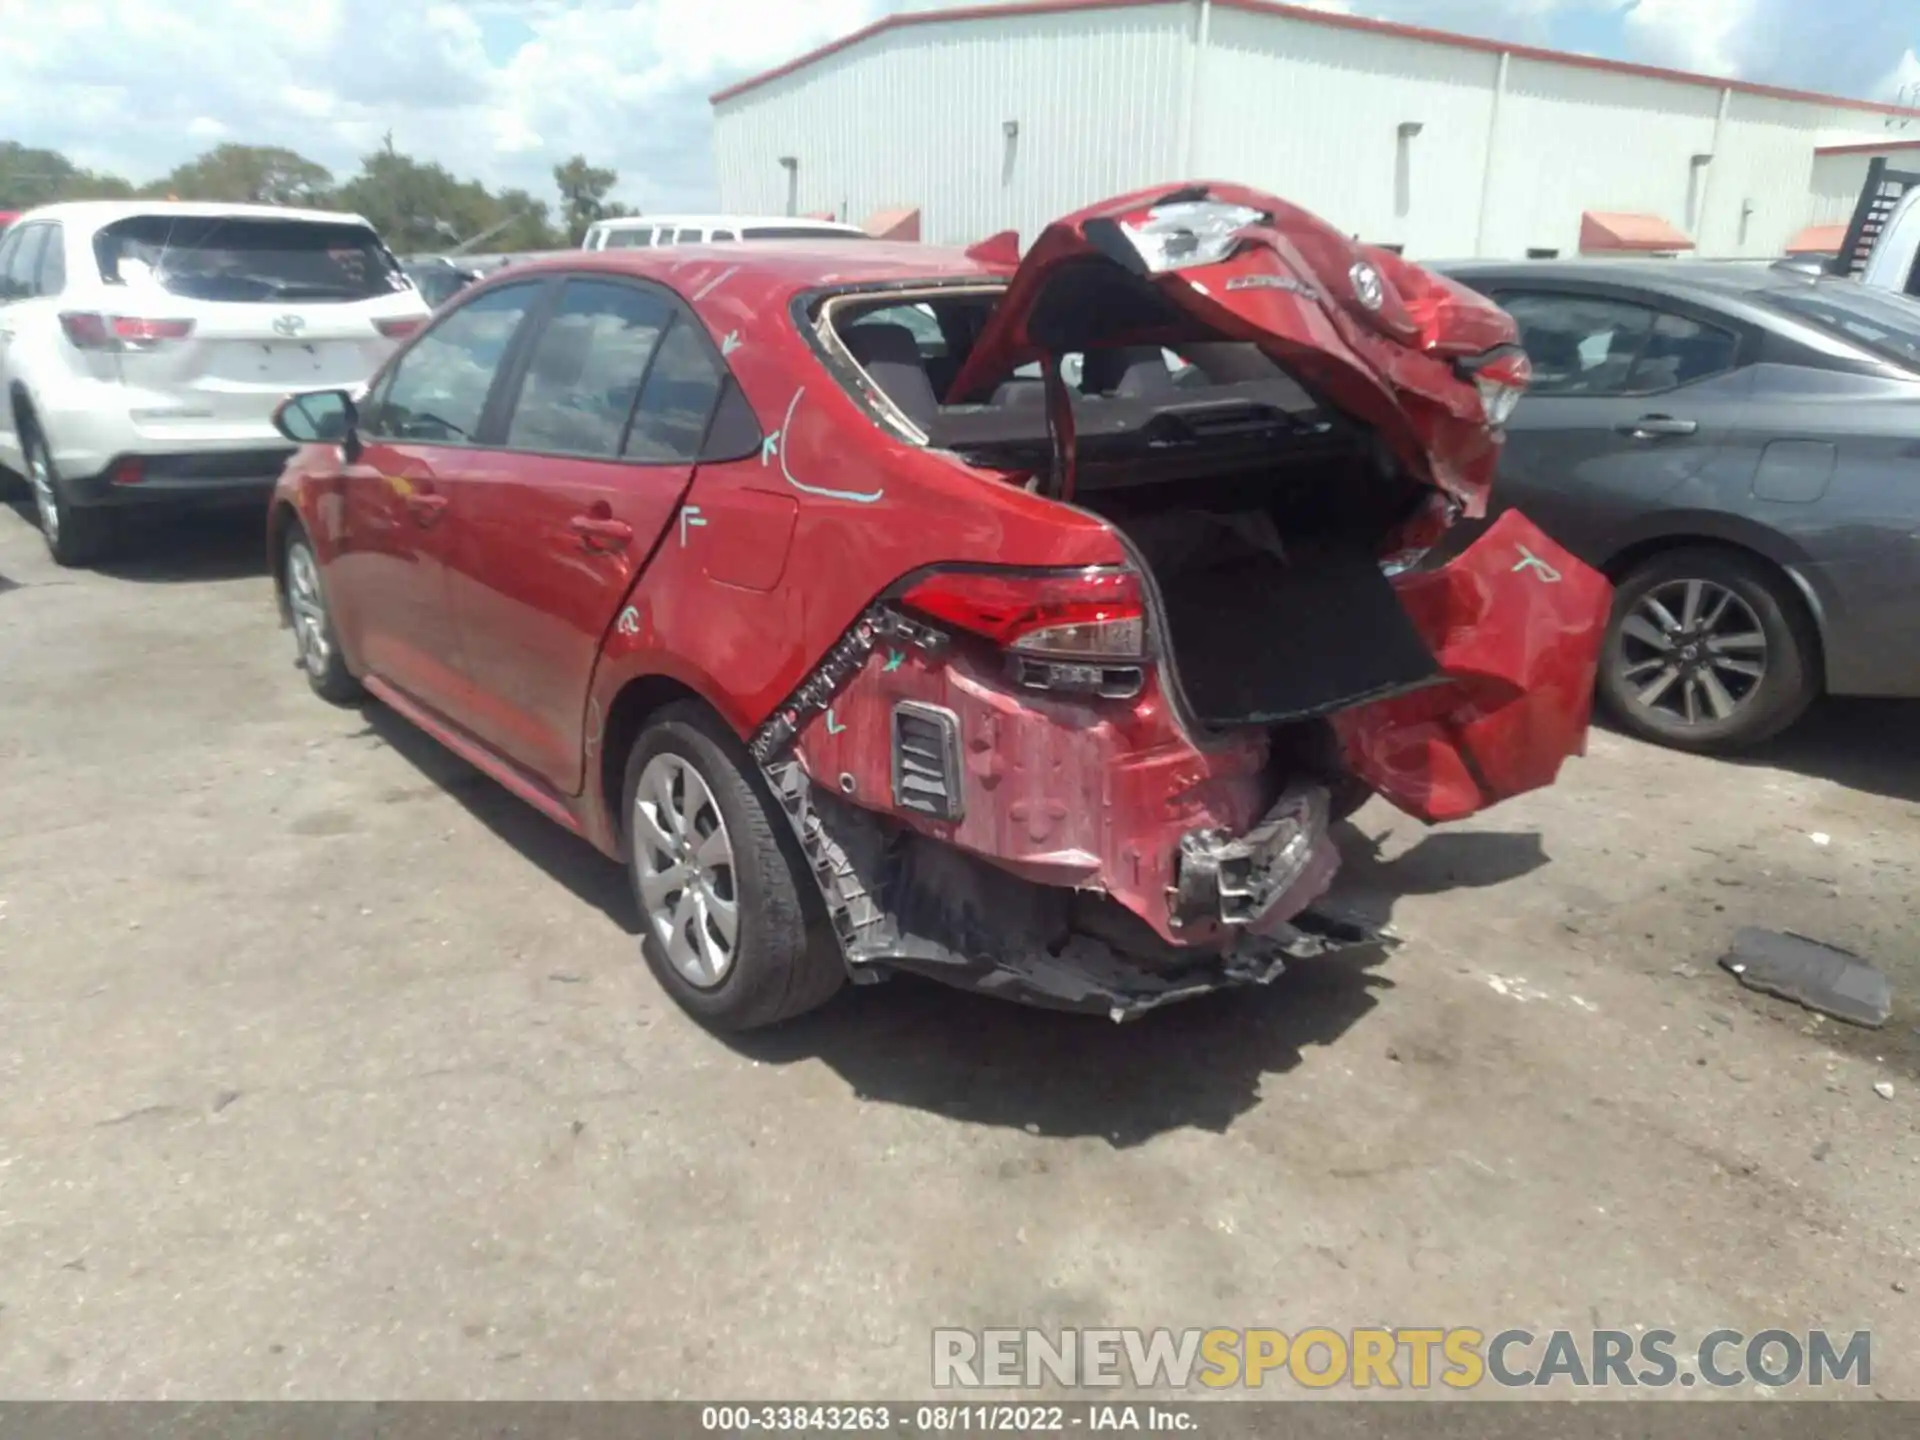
x=716, y=875
x=316, y=647
x=1707, y=650
x=74, y=535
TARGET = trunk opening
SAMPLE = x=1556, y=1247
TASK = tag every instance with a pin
x=1258, y=511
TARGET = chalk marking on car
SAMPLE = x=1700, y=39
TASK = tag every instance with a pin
x=895, y=659
x=1530, y=561
x=629, y=622
x=714, y=284
x=729, y=343
x=690, y=516
x=834, y=727
x=774, y=445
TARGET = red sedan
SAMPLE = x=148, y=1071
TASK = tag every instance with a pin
x=1021, y=622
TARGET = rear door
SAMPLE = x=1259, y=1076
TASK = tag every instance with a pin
x=1633, y=402
x=242, y=310
x=596, y=445
x=423, y=444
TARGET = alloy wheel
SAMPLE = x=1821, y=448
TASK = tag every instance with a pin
x=684, y=859
x=1692, y=650
x=40, y=476
x=309, y=607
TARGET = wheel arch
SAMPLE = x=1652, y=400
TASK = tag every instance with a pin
x=281, y=519
x=639, y=699
x=1751, y=542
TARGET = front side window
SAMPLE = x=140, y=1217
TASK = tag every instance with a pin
x=586, y=370
x=1579, y=344
x=439, y=388
x=53, y=263
x=235, y=260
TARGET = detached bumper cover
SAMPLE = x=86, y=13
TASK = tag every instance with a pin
x=1517, y=624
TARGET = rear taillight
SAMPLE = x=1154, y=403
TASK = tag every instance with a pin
x=90, y=331
x=1501, y=376
x=1096, y=614
x=401, y=328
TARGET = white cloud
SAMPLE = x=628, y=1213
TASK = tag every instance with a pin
x=502, y=89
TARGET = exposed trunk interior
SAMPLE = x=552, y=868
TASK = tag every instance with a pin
x=1259, y=511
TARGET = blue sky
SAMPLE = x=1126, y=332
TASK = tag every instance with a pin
x=502, y=89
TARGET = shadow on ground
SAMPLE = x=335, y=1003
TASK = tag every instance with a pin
x=568, y=859
x=1199, y=1064
x=1869, y=745
x=167, y=548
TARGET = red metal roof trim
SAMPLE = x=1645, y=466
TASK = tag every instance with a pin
x=1818, y=240
x=1880, y=149
x=1603, y=231
x=1328, y=18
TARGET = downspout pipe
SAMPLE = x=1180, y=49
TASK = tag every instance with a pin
x=1493, y=146
x=1713, y=163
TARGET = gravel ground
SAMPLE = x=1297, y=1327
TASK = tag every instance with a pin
x=327, y=1069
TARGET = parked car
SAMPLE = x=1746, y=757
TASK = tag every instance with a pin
x=1735, y=446
x=644, y=231
x=788, y=577
x=145, y=344
x=439, y=278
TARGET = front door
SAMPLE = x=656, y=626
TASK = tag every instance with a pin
x=422, y=434
x=596, y=448
x=1629, y=409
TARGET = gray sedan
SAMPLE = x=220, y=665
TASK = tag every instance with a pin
x=1738, y=447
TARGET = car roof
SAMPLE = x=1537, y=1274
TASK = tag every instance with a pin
x=1707, y=280
x=785, y=265
x=96, y=213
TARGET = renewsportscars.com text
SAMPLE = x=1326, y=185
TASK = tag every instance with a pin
x=1456, y=1359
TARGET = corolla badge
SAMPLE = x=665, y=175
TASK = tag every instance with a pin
x=289, y=325
x=1273, y=282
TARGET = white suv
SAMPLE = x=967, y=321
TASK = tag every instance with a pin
x=144, y=345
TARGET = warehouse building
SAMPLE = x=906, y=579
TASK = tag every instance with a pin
x=951, y=125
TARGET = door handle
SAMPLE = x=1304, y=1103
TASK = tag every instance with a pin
x=1659, y=427
x=597, y=532
x=426, y=508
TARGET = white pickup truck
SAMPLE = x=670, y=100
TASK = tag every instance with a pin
x=1882, y=247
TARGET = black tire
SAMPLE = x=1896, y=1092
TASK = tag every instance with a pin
x=316, y=644
x=1347, y=796
x=1768, y=704
x=76, y=535
x=776, y=971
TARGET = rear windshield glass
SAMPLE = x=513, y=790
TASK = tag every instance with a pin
x=798, y=232
x=1878, y=321
x=211, y=257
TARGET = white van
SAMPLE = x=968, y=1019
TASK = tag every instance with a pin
x=650, y=230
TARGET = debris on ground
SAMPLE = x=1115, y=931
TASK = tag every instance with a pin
x=1884, y=1089
x=1819, y=976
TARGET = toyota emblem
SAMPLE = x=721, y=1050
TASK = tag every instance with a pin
x=289, y=325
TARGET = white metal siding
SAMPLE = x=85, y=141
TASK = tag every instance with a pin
x=915, y=116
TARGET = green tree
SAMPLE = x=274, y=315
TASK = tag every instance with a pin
x=256, y=174
x=31, y=176
x=583, y=195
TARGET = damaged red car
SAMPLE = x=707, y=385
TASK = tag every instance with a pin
x=1025, y=622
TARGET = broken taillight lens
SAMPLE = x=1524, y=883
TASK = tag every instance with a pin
x=1097, y=613
x=1501, y=376
x=1187, y=232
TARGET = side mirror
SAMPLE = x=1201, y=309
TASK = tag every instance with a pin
x=319, y=417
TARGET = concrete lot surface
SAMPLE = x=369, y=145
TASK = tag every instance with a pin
x=329, y=1070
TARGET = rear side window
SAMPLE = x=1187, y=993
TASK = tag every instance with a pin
x=23, y=262
x=628, y=239
x=723, y=235
x=224, y=258
x=677, y=401
x=439, y=389
x=53, y=262
x=586, y=369
x=686, y=237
